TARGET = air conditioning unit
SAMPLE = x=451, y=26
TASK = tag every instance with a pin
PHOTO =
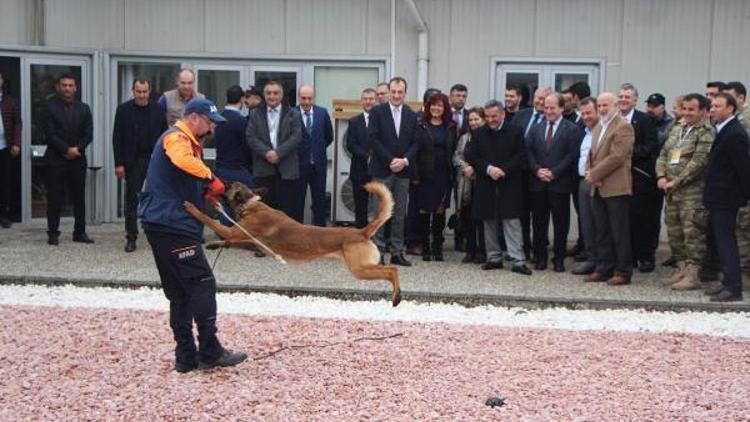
x=343, y=200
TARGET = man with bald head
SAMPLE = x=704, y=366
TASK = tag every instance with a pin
x=608, y=173
x=317, y=135
x=173, y=102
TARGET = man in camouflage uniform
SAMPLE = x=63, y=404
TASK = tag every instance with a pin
x=739, y=92
x=680, y=174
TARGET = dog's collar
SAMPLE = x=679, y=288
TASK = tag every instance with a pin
x=242, y=209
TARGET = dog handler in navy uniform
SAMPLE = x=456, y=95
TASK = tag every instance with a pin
x=177, y=173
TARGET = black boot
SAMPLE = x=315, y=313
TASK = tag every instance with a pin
x=424, y=235
x=438, y=225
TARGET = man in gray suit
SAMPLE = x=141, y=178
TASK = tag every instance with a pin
x=273, y=134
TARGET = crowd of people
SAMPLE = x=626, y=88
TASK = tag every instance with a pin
x=507, y=169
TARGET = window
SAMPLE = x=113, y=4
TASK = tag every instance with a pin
x=530, y=75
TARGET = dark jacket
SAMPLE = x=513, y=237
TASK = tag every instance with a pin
x=315, y=143
x=728, y=170
x=645, y=152
x=381, y=135
x=561, y=159
x=167, y=187
x=231, y=150
x=356, y=143
x=506, y=149
x=123, y=134
x=522, y=119
x=424, y=166
x=11, y=113
x=289, y=136
x=61, y=132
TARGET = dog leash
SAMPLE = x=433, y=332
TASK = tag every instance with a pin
x=220, y=208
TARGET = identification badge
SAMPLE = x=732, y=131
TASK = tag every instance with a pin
x=674, y=156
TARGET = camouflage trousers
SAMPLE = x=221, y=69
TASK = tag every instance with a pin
x=687, y=223
x=743, y=238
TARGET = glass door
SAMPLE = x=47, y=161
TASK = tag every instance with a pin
x=290, y=79
x=530, y=76
x=213, y=82
x=38, y=87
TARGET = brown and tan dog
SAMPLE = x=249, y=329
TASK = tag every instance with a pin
x=299, y=242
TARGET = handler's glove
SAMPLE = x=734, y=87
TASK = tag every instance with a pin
x=214, y=190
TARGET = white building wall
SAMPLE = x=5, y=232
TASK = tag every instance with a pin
x=671, y=46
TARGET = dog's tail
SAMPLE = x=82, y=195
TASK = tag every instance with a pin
x=386, y=207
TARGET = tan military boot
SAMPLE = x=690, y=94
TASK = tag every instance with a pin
x=690, y=281
x=678, y=274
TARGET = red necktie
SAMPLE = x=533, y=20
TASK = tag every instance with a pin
x=548, y=138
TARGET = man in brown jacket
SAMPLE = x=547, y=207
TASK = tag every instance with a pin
x=608, y=173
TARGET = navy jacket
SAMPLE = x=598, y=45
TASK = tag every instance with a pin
x=728, y=170
x=561, y=158
x=167, y=187
x=386, y=146
x=316, y=141
x=231, y=150
x=123, y=142
x=356, y=143
x=522, y=118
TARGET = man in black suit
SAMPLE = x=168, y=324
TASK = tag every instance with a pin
x=138, y=124
x=273, y=134
x=526, y=119
x=647, y=200
x=727, y=189
x=513, y=98
x=392, y=137
x=553, y=152
x=458, y=95
x=68, y=130
x=356, y=144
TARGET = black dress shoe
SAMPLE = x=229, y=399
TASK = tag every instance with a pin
x=53, y=239
x=5, y=223
x=227, y=358
x=558, y=267
x=584, y=269
x=400, y=260
x=82, y=238
x=492, y=265
x=480, y=259
x=581, y=257
x=468, y=258
x=185, y=366
x=540, y=265
x=130, y=245
x=521, y=269
x=647, y=266
x=715, y=290
x=726, y=296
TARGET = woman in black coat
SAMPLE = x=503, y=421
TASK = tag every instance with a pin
x=465, y=186
x=436, y=136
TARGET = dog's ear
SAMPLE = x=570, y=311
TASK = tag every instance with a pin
x=260, y=191
x=238, y=196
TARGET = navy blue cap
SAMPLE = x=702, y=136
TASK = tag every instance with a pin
x=204, y=107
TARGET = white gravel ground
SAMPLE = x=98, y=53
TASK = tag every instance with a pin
x=715, y=324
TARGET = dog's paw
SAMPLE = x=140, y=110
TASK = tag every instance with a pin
x=396, y=298
x=214, y=245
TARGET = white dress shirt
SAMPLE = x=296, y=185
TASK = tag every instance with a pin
x=396, y=112
x=584, y=152
x=3, y=142
x=274, y=115
x=720, y=126
x=629, y=117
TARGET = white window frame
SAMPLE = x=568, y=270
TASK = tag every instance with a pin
x=547, y=68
